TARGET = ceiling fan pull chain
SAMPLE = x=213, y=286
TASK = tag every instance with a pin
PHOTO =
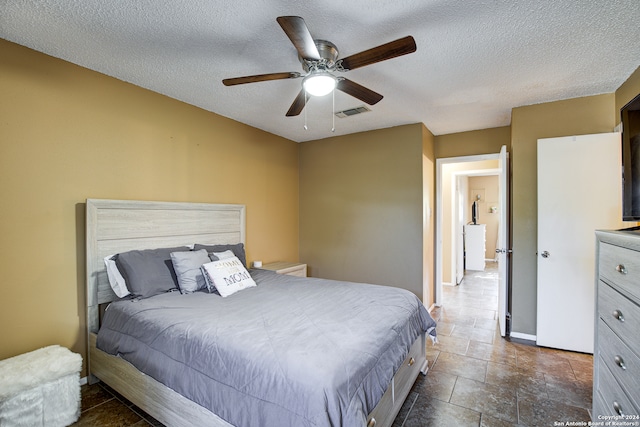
x=333, y=109
x=305, y=109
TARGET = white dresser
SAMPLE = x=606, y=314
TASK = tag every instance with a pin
x=474, y=246
x=616, y=359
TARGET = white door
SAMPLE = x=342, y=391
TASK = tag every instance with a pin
x=579, y=191
x=502, y=251
x=459, y=216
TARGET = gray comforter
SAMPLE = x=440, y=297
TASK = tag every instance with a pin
x=289, y=352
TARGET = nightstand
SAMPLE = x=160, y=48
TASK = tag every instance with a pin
x=290, y=268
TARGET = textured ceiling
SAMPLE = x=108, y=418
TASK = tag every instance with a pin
x=475, y=61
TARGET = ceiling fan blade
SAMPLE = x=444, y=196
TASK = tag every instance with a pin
x=296, y=29
x=383, y=52
x=298, y=104
x=358, y=91
x=259, y=78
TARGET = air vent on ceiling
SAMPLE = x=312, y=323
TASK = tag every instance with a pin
x=352, y=112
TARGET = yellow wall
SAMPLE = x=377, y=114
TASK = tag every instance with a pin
x=68, y=134
x=428, y=216
x=362, y=210
x=472, y=143
x=595, y=114
x=580, y=116
x=627, y=91
x=461, y=144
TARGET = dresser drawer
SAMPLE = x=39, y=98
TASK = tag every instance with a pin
x=622, y=362
x=616, y=401
x=600, y=406
x=383, y=413
x=389, y=405
x=409, y=368
x=620, y=314
x=621, y=268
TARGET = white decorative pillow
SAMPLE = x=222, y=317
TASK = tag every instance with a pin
x=187, y=267
x=228, y=276
x=117, y=282
x=216, y=256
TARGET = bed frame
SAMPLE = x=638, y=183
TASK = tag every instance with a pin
x=114, y=226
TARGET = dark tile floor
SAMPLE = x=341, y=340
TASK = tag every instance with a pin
x=103, y=407
x=475, y=378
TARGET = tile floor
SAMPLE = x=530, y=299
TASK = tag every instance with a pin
x=475, y=378
x=103, y=407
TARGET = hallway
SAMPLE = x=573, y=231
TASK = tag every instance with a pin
x=477, y=378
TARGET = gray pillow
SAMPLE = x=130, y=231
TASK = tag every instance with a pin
x=187, y=267
x=237, y=249
x=149, y=272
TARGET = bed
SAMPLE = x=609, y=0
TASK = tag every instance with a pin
x=372, y=372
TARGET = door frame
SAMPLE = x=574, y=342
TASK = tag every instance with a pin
x=438, y=267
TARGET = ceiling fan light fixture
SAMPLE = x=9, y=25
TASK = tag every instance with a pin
x=319, y=84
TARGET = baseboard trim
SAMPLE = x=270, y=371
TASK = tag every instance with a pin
x=521, y=336
x=83, y=381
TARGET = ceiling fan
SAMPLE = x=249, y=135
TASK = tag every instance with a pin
x=319, y=60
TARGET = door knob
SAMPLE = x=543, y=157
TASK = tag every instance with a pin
x=545, y=254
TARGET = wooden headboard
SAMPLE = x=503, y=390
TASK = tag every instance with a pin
x=115, y=226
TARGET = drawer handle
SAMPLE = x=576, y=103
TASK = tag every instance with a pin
x=618, y=408
x=618, y=315
x=412, y=361
x=620, y=362
x=620, y=268
x=372, y=422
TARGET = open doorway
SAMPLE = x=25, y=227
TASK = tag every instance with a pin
x=475, y=222
x=464, y=184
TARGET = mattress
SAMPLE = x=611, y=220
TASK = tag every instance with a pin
x=290, y=352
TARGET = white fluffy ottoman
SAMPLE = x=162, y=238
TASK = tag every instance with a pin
x=40, y=388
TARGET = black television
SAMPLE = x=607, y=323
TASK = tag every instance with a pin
x=630, y=118
x=474, y=212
